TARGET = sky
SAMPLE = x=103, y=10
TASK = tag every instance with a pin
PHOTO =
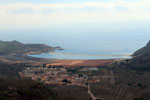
x=30, y=14
x=76, y=20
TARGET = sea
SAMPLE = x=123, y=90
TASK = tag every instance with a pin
x=82, y=45
x=94, y=50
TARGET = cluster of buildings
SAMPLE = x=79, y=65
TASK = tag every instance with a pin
x=63, y=76
x=54, y=75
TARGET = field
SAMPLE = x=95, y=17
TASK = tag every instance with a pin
x=87, y=63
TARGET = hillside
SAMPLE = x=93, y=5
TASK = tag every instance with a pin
x=24, y=89
x=13, y=87
x=145, y=51
x=140, y=60
x=8, y=47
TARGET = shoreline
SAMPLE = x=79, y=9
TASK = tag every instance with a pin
x=24, y=58
x=74, y=62
x=75, y=56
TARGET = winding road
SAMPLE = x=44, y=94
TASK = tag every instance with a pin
x=90, y=93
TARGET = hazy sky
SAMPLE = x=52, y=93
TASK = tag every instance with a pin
x=68, y=20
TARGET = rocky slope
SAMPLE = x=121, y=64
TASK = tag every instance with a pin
x=140, y=60
x=145, y=51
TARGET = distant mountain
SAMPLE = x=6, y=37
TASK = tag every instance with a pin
x=7, y=47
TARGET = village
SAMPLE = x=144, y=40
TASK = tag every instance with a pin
x=58, y=75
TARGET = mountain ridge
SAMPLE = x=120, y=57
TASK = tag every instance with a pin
x=8, y=47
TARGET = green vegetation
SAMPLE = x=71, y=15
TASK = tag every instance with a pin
x=102, y=68
x=10, y=47
x=138, y=99
x=7, y=47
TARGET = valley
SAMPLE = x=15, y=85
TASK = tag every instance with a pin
x=104, y=79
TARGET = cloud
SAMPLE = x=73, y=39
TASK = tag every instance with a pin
x=99, y=7
x=67, y=8
x=52, y=14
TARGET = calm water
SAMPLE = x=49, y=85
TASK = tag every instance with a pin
x=70, y=54
x=94, y=50
x=84, y=43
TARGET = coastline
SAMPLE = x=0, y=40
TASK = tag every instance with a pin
x=74, y=62
x=74, y=56
x=23, y=57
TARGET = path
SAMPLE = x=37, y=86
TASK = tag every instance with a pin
x=90, y=93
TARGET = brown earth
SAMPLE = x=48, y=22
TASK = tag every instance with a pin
x=74, y=63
